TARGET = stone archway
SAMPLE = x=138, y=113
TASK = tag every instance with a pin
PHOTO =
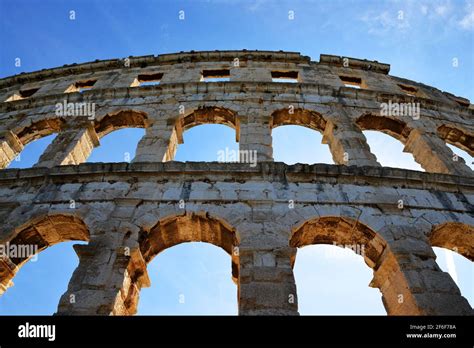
x=12, y=142
x=454, y=236
x=35, y=236
x=190, y=227
x=404, y=268
x=120, y=119
x=299, y=117
x=110, y=274
x=457, y=137
x=391, y=126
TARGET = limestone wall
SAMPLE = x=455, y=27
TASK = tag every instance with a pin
x=260, y=215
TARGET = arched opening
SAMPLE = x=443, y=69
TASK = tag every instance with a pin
x=386, y=138
x=119, y=120
x=117, y=146
x=460, y=141
x=188, y=282
x=393, y=127
x=119, y=134
x=298, y=144
x=214, y=140
x=210, y=143
x=298, y=137
x=39, y=130
x=389, y=151
x=40, y=283
x=458, y=152
x=460, y=269
x=26, y=245
x=32, y=152
x=189, y=279
x=341, y=269
x=454, y=236
x=23, y=146
x=453, y=244
x=457, y=137
x=333, y=281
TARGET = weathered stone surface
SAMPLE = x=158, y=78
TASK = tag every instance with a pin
x=259, y=213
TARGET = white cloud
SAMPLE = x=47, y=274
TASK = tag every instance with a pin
x=467, y=22
x=385, y=21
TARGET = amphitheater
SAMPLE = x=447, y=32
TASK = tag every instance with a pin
x=260, y=215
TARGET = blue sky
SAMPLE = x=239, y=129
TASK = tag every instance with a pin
x=421, y=43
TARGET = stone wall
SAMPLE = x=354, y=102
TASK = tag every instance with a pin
x=260, y=215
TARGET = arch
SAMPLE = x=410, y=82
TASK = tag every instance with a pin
x=340, y=231
x=299, y=117
x=189, y=227
x=120, y=119
x=457, y=137
x=33, y=237
x=39, y=129
x=454, y=236
x=208, y=115
x=288, y=140
x=393, y=127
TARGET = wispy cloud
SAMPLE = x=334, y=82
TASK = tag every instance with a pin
x=467, y=22
x=404, y=16
x=383, y=22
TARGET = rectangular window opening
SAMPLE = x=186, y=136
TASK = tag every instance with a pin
x=22, y=94
x=351, y=81
x=149, y=79
x=409, y=90
x=220, y=75
x=285, y=76
x=26, y=93
x=80, y=86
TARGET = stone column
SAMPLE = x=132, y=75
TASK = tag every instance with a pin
x=432, y=153
x=256, y=135
x=266, y=282
x=159, y=143
x=10, y=147
x=410, y=280
x=106, y=282
x=348, y=144
x=71, y=146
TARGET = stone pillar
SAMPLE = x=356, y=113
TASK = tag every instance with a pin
x=432, y=153
x=410, y=280
x=266, y=282
x=106, y=282
x=159, y=143
x=71, y=146
x=256, y=136
x=10, y=147
x=348, y=144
